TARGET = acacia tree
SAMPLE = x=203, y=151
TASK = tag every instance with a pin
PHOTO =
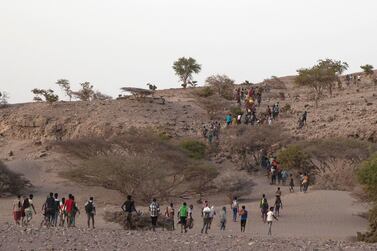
x=48, y=95
x=334, y=68
x=3, y=98
x=86, y=93
x=184, y=68
x=321, y=76
x=65, y=85
x=368, y=69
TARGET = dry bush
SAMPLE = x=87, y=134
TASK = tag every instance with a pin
x=138, y=163
x=140, y=221
x=222, y=84
x=10, y=182
x=203, y=92
x=332, y=162
x=215, y=106
x=245, y=143
x=274, y=83
x=236, y=185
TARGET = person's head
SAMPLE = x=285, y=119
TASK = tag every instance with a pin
x=235, y=198
x=31, y=196
x=56, y=195
x=290, y=175
x=271, y=208
x=224, y=208
x=51, y=194
x=184, y=204
x=243, y=207
x=63, y=200
x=154, y=199
x=19, y=197
x=70, y=196
x=278, y=188
x=171, y=204
x=263, y=196
x=73, y=197
x=191, y=206
x=91, y=198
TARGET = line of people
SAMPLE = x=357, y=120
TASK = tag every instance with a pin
x=55, y=212
x=185, y=214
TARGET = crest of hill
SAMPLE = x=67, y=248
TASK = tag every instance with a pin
x=349, y=113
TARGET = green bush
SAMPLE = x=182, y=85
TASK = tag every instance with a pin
x=204, y=92
x=367, y=175
x=294, y=158
x=195, y=149
x=236, y=110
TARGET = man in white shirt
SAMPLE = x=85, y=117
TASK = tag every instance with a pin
x=270, y=217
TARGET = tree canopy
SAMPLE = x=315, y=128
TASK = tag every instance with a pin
x=368, y=69
x=321, y=76
x=184, y=68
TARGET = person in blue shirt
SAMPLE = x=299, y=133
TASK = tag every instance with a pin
x=228, y=119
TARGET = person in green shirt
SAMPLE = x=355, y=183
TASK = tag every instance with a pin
x=182, y=215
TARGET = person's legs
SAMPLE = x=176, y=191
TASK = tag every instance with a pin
x=269, y=227
x=234, y=214
x=154, y=222
x=88, y=217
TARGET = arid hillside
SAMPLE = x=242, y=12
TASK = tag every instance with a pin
x=349, y=113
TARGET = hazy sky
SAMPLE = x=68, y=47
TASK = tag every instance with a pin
x=115, y=43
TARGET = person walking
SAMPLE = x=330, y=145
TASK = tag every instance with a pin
x=154, y=210
x=243, y=218
x=50, y=209
x=270, y=217
x=206, y=219
x=56, y=210
x=305, y=183
x=264, y=207
x=170, y=213
x=75, y=211
x=90, y=209
x=291, y=184
x=182, y=215
x=278, y=192
x=223, y=218
x=190, y=217
x=69, y=204
x=129, y=207
x=278, y=205
x=62, y=212
x=235, y=208
x=29, y=210
x=211, y=216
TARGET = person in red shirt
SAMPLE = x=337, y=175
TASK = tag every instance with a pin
x=69, y=204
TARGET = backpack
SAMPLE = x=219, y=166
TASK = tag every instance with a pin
x=89, y=208
x=264, y=204
x=50, y=203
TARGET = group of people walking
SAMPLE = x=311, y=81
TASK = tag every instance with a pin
x=184, y=215
x=55, y=212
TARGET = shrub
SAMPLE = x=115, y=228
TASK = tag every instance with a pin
x=10, y=182
x=294, y=158
x=86, y=93
x=368, y=176
x=48, y=95
x=222, y=84
x=204, y=92
x=140, y=221
x=236, y=110
x=3, y=99
x=139, y=163
x=195, y=149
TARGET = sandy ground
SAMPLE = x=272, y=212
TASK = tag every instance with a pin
x=308, y=221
